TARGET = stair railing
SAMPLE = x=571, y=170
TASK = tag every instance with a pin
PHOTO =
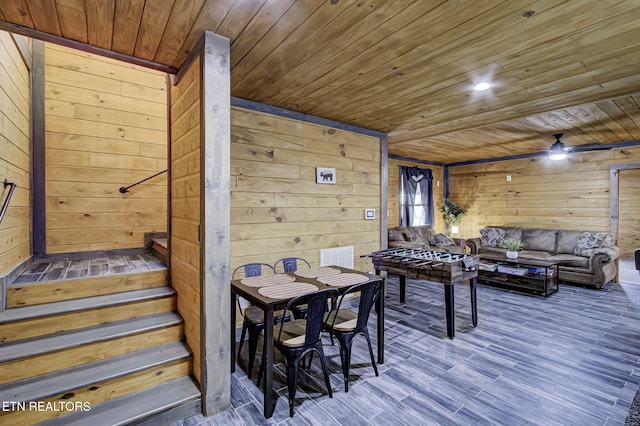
x=125, y=189
x=6, y=201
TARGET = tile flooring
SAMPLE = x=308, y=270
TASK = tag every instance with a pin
x=570, y=359
x=65, y=269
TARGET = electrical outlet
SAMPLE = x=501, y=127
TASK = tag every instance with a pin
x=508, y=178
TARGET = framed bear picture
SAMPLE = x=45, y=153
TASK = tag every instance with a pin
x=325, y=175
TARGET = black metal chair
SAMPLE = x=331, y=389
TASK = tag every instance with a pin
x=289, y=264
x=346, y=324
x=295, y=339
x=253, y=321
x=636, y=253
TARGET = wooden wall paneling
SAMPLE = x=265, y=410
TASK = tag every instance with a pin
x=570, y=194
x=15, y=160
x=94, y=148
x=185, y=204
x=278, y=209
x=112, y=70
x=215, y=354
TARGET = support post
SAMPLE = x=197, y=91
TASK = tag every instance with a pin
x=215, y=172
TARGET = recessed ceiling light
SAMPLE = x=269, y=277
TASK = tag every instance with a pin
x=481, y=86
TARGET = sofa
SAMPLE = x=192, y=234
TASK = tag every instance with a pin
x=584, y=257
x=424, y=237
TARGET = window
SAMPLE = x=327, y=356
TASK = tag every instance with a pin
x=416, y=196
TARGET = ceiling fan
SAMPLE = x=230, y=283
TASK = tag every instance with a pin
x=559, y=151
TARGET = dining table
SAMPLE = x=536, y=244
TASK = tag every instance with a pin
x=272, y=293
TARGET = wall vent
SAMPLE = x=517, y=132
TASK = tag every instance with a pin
x=339, y=256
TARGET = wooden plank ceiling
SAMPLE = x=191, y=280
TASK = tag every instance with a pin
x=403, y=67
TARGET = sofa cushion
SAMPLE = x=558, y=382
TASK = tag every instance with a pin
x=570, y=260
x=588, y=242
x=534, y=255
x=492, y=237
x=492, y=251
x=514, y=232
x=441, y=240
x=567, y=241
x=539, y=239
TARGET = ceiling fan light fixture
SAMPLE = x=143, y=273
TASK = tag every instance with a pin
x=558, y=150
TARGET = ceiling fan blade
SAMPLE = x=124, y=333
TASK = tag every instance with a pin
x=588, y=147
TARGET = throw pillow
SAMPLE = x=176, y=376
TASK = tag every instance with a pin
x=441, y=240
x=492, y=237
x=588, y=242
x=413, y=235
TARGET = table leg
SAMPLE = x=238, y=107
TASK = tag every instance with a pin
x=449, y=307
x=380, y=324
x=403, y=288
x=267, y=351
x=233, y=332
x=474, y=307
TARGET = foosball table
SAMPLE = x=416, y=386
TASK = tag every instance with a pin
x=434, y=266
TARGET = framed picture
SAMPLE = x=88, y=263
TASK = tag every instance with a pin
x=325, y=175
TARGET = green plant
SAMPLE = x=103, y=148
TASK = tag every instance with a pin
x=512, y=244
x=451, y=211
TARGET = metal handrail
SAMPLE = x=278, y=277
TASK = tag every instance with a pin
x=124, y=189
x=6, y=201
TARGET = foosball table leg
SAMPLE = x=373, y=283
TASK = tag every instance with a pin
x=403, y=288
x=474, y=307
x=449, y=310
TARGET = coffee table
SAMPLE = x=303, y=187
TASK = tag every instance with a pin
x=531, y=276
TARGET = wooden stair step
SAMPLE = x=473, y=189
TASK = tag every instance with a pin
x=135, y=407
x=46, y=385
x=159, y=249
x=54, y=291
x=39, y=345
x=160, y=244
x=68, y=306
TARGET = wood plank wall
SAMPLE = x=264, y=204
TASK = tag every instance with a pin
x=278, y=209
x=569, y=194
x=394, y=191
x=185, y=204
x=14, y=155
x=106, y=127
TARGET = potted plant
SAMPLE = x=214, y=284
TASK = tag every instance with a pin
x=452, y=214
x=512, y=246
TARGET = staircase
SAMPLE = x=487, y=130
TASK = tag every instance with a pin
x=99, y=350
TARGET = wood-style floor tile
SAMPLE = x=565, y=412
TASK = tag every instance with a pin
x=571, y=358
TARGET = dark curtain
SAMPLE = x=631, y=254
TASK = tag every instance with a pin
x=410, y=177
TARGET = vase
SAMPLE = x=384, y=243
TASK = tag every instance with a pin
x=512, y=255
